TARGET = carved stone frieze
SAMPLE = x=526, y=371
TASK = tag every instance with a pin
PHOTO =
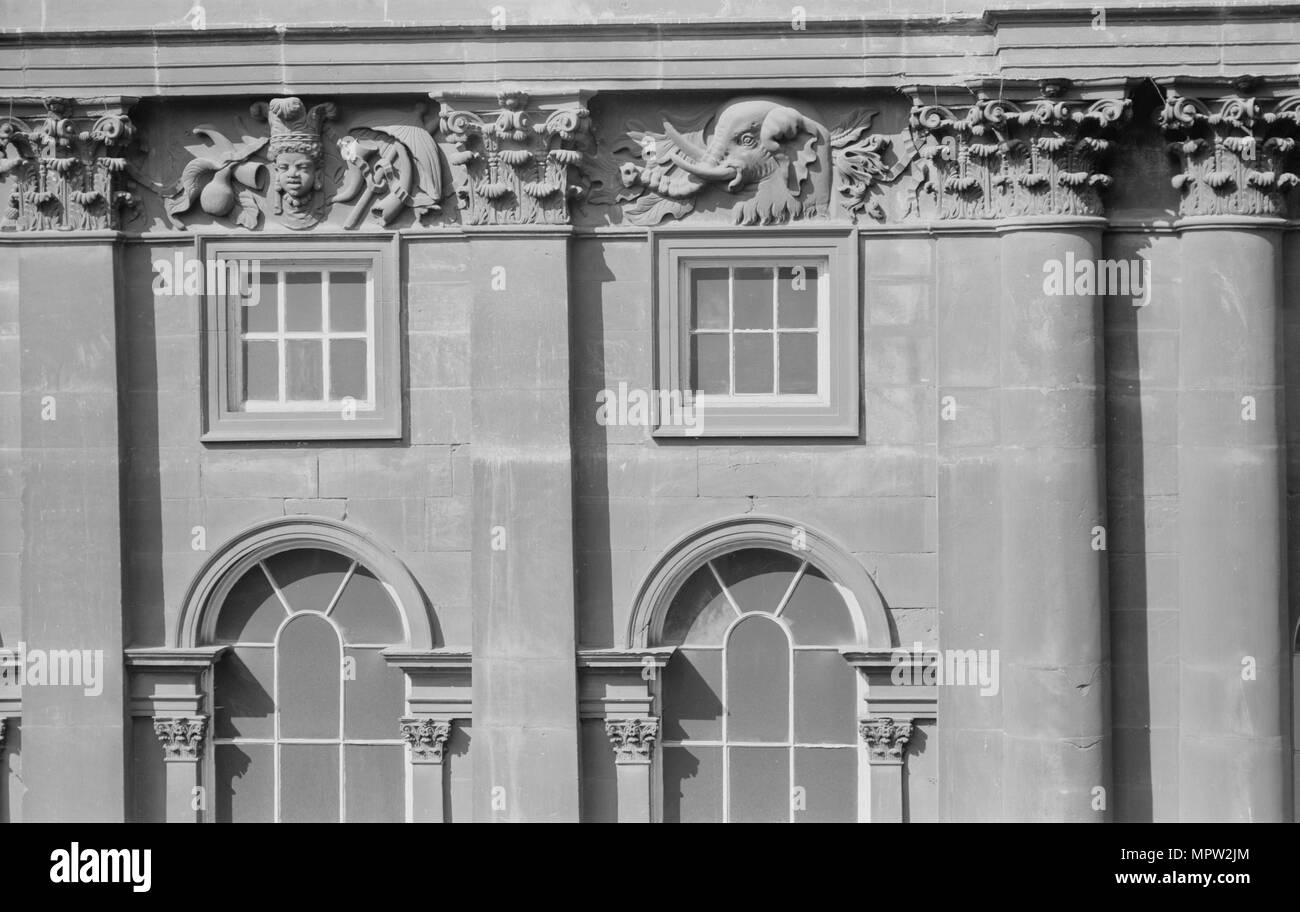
x=774, y=158
x=995, y=158
x=427, y=737
x=63, y=169
x=518, y=162
x=181, y=737
x=391, y=166
x=296, y=151
x=1233, y=152
x=886, y=737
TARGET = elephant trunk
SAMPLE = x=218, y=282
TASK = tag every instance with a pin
x=704, y=164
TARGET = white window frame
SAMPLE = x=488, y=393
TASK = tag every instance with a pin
x=834, y=410
x=228, y=417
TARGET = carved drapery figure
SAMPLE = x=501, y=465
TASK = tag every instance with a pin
x=1232, y=152
x=774, y=154
x=390, y=167
x=999, y=158
x=65, y=169
x=516, y=164
x=296, y=151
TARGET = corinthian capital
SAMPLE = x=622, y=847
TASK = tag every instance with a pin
x=516, y=160
x=181, y=737
x=1232, y=149
x=633, y=739
x=68, y=167
x=886, y=738
x=993, y=157
x=427, y=737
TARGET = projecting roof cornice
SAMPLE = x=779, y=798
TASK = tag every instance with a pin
x=633, y=54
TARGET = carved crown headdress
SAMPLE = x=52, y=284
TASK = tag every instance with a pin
x=296, y=128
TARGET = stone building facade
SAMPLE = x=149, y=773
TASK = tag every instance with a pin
x=620, y=413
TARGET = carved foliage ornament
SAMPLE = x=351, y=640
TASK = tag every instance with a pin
x=182, y=737
x=633, y=739
x=65, y=170
x=997, y=158
x=1232, y=154
x=775, y=155
x=427, y=737
x=886, y=738
x=517, y=166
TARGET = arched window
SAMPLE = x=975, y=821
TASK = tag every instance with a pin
x=759, y=706
x=306, y=710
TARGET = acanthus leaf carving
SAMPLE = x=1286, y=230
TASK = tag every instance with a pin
x=633, y=739
x=517, y=164
x=427, y=738
x=65, y=168
x=182, y=736
x=997, y=158
x=886, y=737
x=1233, y=152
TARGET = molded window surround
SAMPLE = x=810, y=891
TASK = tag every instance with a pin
x=306, y=346
x=758, y=330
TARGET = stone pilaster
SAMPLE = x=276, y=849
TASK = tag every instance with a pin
x=428, y=741
x=515, y=160
x=886, y=739
x=1021, y=454
x=1233, y=145
x=634, y=747
x=182, y=740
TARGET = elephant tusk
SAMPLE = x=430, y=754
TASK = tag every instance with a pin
x=702, y=171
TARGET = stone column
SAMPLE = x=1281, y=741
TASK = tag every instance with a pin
x=182, y=740
x=428, y=741
x=4, y=770
x=1234, y=686
x=67, y=182
x=634, y=745
x=512, y=158
x=886, y=740
x=1021, y=455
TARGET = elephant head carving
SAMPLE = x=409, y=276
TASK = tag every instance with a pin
x=775, y=154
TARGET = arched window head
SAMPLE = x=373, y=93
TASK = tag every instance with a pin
x=759, y=707
x=306, y=709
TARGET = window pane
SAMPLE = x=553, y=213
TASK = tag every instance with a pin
x=302, y=302
x=375, y=777
x=710, y=363
x=829, y=779
x=753, y=363
x=245, y=783
x=817, y=614
x=308, y=577
x=243, y=703
x=304, y=381
x=347, y=302
x=252, y=612
x=757, y=578
x=692, y=784
x=752, y=287
x=825, y=698
x=758, y=682
x=309, y=783
x=760, y=784
x=693, y=696
x=374, y=694
x=262, y=371
x=348, y=369
x=798, y=363
x=700, y=612
x=309, y=674
x=366, y=613
x=264, y=315
x=796, y=296
x=709, y=298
